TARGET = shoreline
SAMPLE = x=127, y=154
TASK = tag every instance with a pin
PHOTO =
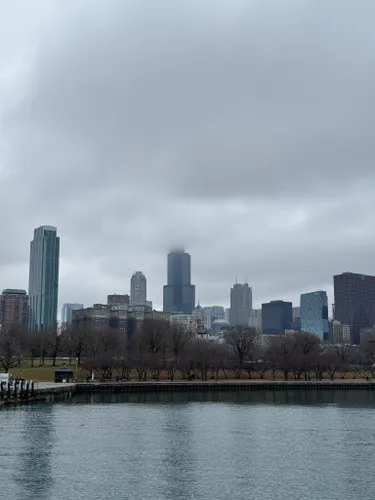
x=50, y=392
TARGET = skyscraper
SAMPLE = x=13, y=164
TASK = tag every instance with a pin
x=138, y=289
x=67, y=313
x=179, y=293
x=13, y=308
x=355, y=302
x=277, y=317
x=314, y=314
x=44, y=278
x=241, y=304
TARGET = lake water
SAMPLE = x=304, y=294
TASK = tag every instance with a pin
x=232, y=446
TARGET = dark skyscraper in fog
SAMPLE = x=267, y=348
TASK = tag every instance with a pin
x=179, y=293
x=355, y=302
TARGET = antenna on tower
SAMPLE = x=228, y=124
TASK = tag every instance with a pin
x=246, y=279
x=235, y=280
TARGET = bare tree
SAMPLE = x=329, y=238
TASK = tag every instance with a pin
x=56, y=343
x=345, y=358
x=32, y=347
x=305, y=346
x=177, y=340
x=154, y=335
x=92, y=343
x=242, y=341
x=77, y=340
x=42, y=344
x=10, y=350
x=279, y=353
x=331, y=361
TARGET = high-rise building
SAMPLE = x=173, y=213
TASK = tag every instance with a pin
x=241, y=304
x=211, y=314
x=277, y=316
x=179, y=293
x=67, y=313
x=338, y=333
x=44, y=278
x=227, y=314
x=138, y=289
x=256, y=320
x=355, y=302
x=13, y=308
x=314, y=314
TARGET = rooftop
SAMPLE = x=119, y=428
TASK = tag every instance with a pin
x=13, y=291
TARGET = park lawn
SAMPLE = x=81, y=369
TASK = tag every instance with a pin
x=44, y=373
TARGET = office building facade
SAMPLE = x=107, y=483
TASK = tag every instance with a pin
x=138, y=289
x=211, y=314
x=355, y=302
x=179, y=293
x=277, y=316
x=67, y=313
x=256, y=320
x=13, y=308
x=314, y=314
x=44, y=278
x=241, y=304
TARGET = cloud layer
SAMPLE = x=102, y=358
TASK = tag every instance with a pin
x=241, y=129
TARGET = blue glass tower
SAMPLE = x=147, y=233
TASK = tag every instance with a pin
x=314, y=314
x=44, y=278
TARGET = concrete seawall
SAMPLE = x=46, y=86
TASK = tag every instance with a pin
x=51, y=392
x=225, y=385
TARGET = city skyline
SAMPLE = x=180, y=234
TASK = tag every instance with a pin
x=208, y=303
x=354, y=300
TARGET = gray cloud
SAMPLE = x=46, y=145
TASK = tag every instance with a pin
x=242, y=129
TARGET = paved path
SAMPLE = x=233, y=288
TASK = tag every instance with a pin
x=46, y=386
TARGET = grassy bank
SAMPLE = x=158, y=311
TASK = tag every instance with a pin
x=45, y=373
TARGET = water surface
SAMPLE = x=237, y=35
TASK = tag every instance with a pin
x=263, y=445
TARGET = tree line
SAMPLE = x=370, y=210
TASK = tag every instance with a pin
x=163, y=350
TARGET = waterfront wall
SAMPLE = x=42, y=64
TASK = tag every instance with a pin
x=51, y=392
x=228, y=385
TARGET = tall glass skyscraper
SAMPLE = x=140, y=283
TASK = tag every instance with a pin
x=44, y=278
x=179, y=293
x=314, y=314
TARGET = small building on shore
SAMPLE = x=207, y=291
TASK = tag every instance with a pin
x=63, y=373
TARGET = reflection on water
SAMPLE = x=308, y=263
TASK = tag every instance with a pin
x=293, y=445
x=34, y=457
x=26, y=447
x=289, y=397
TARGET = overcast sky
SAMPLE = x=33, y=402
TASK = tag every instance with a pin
x=242, y=129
